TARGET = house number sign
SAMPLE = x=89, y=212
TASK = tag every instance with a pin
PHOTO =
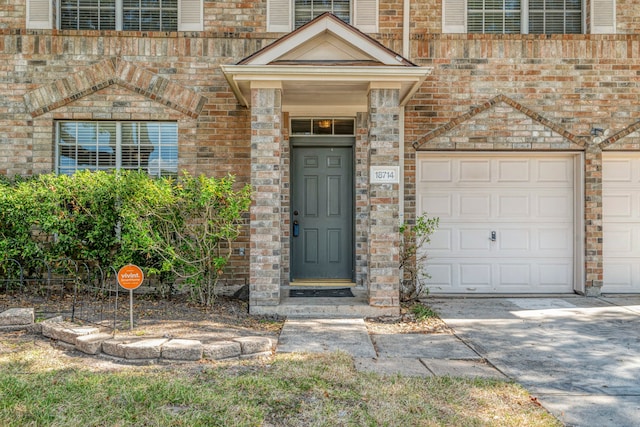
x=385, y=174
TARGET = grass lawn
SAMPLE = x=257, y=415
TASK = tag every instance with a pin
x=43, y=386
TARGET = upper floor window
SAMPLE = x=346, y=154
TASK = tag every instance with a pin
x=524, y=16
x=128, y=15
x=528, y=16
x=287, y=15
x=147, y=146
x=306, y=10
x=133, y=15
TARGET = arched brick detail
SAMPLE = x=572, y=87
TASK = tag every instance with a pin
x=560, y=140
x=614, y=142
x=106, y=73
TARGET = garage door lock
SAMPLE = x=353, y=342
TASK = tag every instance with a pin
x=493, y=237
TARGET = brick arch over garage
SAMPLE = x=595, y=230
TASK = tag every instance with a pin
x=113, y=71
x=500, y=124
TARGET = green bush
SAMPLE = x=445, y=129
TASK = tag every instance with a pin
x=182, y=225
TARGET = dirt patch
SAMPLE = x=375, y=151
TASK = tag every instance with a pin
x=406, y=323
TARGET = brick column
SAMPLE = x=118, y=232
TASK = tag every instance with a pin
x=593, y=220
x=384, y=237
x=265, y=230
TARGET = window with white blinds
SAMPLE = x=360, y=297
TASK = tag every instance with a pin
x=306, y=10
x=555, y=16
x=88, y=14
x=145, y=146
x=538, y=16
x=150, y=15
x=128, y=15
x=494, y=16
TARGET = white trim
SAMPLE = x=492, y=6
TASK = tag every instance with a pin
x=409, y=79
x=339, y=29
x=579, y=226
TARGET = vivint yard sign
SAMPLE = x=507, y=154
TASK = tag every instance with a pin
x=130, y=277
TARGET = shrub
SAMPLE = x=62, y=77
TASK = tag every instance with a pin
x=413, y=256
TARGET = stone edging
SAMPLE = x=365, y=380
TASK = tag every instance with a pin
x=90, y=340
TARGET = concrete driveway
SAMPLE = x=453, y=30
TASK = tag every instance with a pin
x=580, y=357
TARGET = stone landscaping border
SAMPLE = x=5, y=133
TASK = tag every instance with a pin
x=91, y=340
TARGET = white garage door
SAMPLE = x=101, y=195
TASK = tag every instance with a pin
x=621, y=222
x=506, y=222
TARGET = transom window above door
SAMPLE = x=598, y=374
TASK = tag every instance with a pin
x=322, y=126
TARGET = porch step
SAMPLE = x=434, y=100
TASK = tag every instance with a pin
x=338, y=307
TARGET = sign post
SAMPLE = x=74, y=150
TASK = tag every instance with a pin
x=130, y=277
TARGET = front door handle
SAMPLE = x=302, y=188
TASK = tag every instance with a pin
x=296, y=228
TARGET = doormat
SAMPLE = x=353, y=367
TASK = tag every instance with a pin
x=327, y=293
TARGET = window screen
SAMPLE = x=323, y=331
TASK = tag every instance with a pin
x=555, y=16
x=150, y=15
x=88, y=14
x=506, y=16
x=131, y=15
x=148, y=146
x=306, y=10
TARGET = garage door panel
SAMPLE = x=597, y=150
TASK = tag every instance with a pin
x=511, y=275
x=437, y=170
x=526, y=200
x=555, y=171
x=621, y=222
x=512, y=170
x=555, y=239
x=554, y=274
x=554, y=206
x=437, y=204
x=619, y=206
x=441, y=240
x=473, y=240
x=617, y=170
x=441, y=275
x=473, y=205
x=513, y=205
x=474, y=171
x=618, y=240
x=475, y=274
x=513, y=240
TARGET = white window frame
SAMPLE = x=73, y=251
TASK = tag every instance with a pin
x=152, y=170
x=363, y=14
x=524, y=19
x=45, y=15
x=455, y=17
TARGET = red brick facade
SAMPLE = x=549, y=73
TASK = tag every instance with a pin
x=565, y=85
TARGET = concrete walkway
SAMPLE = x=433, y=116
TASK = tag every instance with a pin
x=409, y=354
x=579, y=356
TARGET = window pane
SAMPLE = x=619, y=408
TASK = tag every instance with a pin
x=87, y=14
x=306, y=10
x=343, y=127
x=152, y=147
x=300, y=127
